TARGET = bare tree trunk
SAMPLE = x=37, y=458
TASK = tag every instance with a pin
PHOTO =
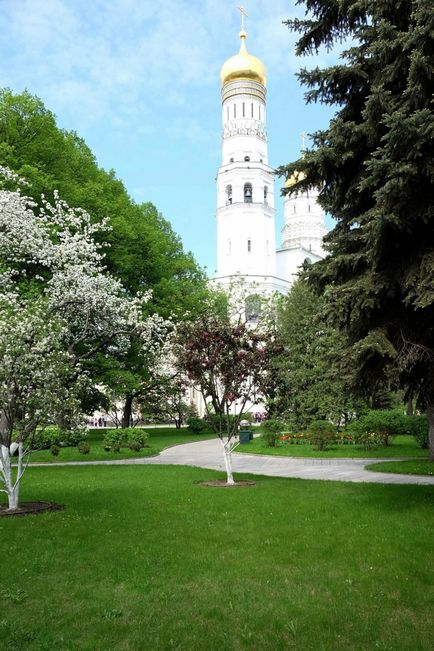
x=11, y=487
x=430, y=414
x=227, y=454
x=126, y=414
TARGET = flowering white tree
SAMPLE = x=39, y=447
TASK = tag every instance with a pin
x=58, y=307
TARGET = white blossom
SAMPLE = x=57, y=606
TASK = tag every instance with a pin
x=58, y=305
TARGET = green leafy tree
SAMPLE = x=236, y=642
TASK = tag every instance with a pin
x=310, y=376
x=141, y=248
x=374, y=167
x=168, y=401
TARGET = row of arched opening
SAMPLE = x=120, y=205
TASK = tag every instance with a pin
x=247, y=194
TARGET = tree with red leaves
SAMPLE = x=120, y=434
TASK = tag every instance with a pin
x=229, y=364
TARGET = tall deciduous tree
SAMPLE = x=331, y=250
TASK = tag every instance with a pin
x=58, y=307
x=374, y=167
x=140, y=249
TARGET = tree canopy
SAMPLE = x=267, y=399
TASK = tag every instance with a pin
x=229, y=363
x=48, y=329
x=310, y=376
x=142, y=249
x=373, y=165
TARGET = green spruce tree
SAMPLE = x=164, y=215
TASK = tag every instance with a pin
x=310, y=376
x=374, y=165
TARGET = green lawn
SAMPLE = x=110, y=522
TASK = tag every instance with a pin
x=401, y=446
x=144, y=558
x=421, y=467
x=159, y=438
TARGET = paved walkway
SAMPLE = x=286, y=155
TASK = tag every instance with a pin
x=208, y=454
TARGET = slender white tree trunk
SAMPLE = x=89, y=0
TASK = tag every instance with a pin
x=11, y=487
x=228, y=461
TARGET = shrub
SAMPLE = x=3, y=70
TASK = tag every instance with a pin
x=55, y=449
x=345, y=438
x=270, y=438
x=115, y=439
x=271, y=425
x=138, y=436
x=45, y=438
x=369, y=440
x=197, y=425
x=73, y=438
x=83, y=447
x=387, y=423
x=418, y=426
x=321, y=434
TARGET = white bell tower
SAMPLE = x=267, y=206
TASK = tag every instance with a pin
x=245, y=184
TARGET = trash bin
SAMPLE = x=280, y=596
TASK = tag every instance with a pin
x=245, y=434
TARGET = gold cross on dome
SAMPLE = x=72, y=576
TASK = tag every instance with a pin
x=243, y=13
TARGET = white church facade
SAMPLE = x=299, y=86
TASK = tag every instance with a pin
x=245, y=216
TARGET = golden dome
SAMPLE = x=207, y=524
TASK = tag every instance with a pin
x=295, y=178
x=243, y=66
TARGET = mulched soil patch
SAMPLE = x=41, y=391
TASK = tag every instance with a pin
x=30, y=508
x=221, y=483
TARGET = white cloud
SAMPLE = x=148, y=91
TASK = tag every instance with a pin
x=98, y=58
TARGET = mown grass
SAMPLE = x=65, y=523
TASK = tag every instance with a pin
x=145, y=558
x=400, y=446
x=159, y=439
x=421, y=467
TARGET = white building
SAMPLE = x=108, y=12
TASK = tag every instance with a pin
x=246, y=240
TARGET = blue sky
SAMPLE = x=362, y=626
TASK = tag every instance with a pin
x=139, y=81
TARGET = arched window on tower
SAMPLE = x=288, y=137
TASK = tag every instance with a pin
x=248, y=193
x=249, y=245
x=294, y=209
x=246, y=159
x=266, y=194
x=308, y=207
x=228, y=195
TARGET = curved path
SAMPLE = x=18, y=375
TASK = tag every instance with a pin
x=208, y=454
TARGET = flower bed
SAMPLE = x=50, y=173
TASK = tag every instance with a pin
x=304, y=438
